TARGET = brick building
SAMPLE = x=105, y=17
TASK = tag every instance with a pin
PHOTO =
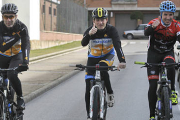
x=120, y=11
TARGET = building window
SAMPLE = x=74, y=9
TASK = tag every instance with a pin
x=54, y=12
x=43, y=9
x=50, y=10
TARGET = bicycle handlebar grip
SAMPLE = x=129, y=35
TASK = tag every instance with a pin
x=141, y=63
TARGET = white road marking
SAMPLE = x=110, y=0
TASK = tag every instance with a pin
x=132, y=42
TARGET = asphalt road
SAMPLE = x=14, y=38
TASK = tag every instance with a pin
x=130, y=85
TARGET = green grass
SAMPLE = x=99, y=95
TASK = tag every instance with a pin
x=39, y=52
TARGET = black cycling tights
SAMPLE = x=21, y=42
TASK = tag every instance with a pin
x=11, y=62
x=154, y=57
x=105, y=77
x=152, y=91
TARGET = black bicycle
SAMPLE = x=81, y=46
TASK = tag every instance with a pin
x=8, y=108
x=98, y=102
x=164, y=103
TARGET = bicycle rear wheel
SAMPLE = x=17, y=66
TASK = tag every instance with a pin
x=166, y=103
x=96, y=104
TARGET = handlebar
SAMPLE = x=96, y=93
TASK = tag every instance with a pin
x=8, y=69
x=97, y=67
x=162, y=64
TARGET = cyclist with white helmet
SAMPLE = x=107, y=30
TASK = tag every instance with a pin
x=14, y=47
x=163, y=32
x=103, y=40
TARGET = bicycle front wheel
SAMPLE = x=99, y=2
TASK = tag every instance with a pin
x=96, y=104
x=2, y=108
x=166, y=103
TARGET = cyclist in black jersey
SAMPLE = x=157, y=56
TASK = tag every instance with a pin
x=163, y=32
x=103, y=40
x=14, y=47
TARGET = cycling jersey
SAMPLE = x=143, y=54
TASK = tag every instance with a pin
x=163, y=38
x=103, y=43
x=11, y=43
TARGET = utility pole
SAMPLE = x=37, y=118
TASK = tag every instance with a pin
x=44, y=15
x=51, y=14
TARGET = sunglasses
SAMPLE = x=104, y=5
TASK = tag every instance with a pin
x=10, y=17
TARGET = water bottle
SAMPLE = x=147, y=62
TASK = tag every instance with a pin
x=9, y=107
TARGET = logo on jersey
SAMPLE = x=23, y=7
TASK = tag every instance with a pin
x=26, y=58
x=152, y=72
x=168, y=33
x=105, y=35
x=4, y=44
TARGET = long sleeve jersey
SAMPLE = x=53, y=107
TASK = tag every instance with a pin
x=163, y=38
x=11, y=43
x=103, y=42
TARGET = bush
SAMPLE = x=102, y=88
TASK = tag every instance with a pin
x=136, y=15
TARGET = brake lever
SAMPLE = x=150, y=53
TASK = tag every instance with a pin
x=80, y=69
x=148, y=66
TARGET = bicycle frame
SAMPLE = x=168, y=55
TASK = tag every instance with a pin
x=5, y=91
x=163, y=82
x=98, y=85
x=101, y=93
x=163, y=89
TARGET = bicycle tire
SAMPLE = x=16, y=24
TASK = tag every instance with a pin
x=105, y=104
x=2, y=108
x=11, y=98
x=166, y=104
x=96, y=104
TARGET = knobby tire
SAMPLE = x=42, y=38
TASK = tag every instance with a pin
x=96, y=104
x=166, y=103
x=2, y=108
x=105, y=104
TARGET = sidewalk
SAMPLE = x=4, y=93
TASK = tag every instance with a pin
x=48, y=71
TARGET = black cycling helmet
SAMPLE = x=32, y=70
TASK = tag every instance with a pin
x=9, y=8
x=100, y=13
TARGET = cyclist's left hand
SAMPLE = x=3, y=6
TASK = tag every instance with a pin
x=23, y=67
x=121, y=65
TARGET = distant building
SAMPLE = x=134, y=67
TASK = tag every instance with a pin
x=120, y=11
x=41, y=16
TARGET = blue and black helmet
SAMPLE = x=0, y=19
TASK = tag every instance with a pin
x=167, y=6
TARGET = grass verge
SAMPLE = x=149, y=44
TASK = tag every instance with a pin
x=39, y=52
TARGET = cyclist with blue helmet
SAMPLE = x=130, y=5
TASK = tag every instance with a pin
x=163, y=32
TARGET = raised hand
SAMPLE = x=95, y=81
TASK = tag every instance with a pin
x=93, y=30
x=156, y=22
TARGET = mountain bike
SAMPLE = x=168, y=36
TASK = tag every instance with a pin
x=164, y=102
x=98, y=101
x=8, y=108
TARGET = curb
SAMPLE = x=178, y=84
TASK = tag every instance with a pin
x=52, y=54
